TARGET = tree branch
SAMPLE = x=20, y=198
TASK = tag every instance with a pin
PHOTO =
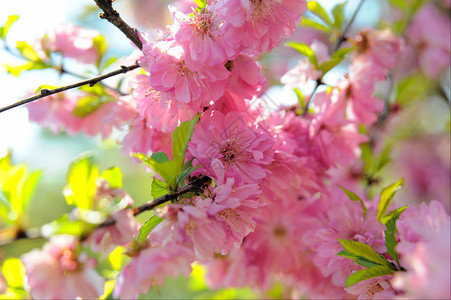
x=340, y=41
x=112, y=16
x=91, y=82
x=193, y=187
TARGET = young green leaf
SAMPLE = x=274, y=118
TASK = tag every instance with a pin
x=160, y=157
x=305, y=50
x=186, y=173
x=338, y=13
x=113, y=176
x=312, y=24
x=390, y=234
x=159, y=188
x=386, y=198
x=167, y=169
x=365, y=251
x=14, y=272
x=81, y=182
x=201, y=3
x=319, y=11
x=4, y=30
x=367, y=274
x=101, y=47
x=180, y=138
x=64, y=225
x=147, y=227
x=27, y=51
x=354, y=197
x=15, y=70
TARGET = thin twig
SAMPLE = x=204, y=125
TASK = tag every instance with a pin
x=112, y=16
x=91, y=82
x=340, y=41
x=193, y=187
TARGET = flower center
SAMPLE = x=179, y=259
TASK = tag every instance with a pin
x=204, y=23
x=230, y=151
x=279, y=231
x=260, y=10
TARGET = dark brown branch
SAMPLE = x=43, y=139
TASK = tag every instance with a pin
x=91, y=82
x=194, y=187
x=112, y=16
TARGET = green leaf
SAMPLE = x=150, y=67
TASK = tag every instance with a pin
x=336, y=59
x=89, y=104
x=390, y=233
x=113, y=176
x=354, y=197
x=338, y=13
x=101, y=46
x=201, y=3
x=81, y=182
x=367, y=274
x=319, y=11
x=147, y=227
x=160, y=157
x=4, y=30
x=27, y=51
x=14, y=272
x=312, y=24
x=365, y=251
x=26, y=190
x=159, y=188
x=386, y=198
x=115, y=258
x=166, y=169
x=15, y=70
x=305, y=50
x=108, y=63
x=394, y=213
x=366, y=263
x=180, y=139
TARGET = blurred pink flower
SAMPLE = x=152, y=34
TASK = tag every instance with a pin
x=425, y=252
x=150, y=267
x=430, y=32
x=72, y=41
x=57, y=273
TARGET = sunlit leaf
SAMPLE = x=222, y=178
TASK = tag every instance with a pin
x=201, y=3
x=81, y=182
x=180, y=138
x=113, y=176
x=386, y=199
x=15, y=70
x=27, y=51
x=4, y=30
x=159, y=188
x=305, y=50
x=338, y=13
x=101, y=47
x=115, y=258
x=355, y=250
x=14, y=272
x=89, y=104
x=319, y=11
x=367, y=274
x=312, y=24
x=390, y=233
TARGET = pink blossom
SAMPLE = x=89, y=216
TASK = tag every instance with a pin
x=105, y=239
x=150, y=267
x=201, y=37
x=146, y=140
x=374, y=288
x=162, y=115
x=430, y=32
x=380, y=47
x=170, y=75
x=425, y=252
x=53, y=112
x=300, y=74
x=72, y=41
x=335, y=140
x=357, y=89
x=57, y=273
x=260, y=25
x=191, y=226
x=337, y=217
x=102, y=120
x=243, y=151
